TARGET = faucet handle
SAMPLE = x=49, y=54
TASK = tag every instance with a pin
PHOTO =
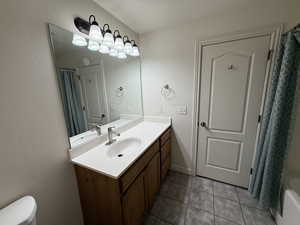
x=111, y=128
x=98, y=128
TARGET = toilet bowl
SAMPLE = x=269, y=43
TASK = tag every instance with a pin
x=20, y=212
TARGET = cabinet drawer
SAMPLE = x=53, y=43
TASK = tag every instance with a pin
x=165, y=167
x=138, y=166
x=165, y=150
x=165, y=136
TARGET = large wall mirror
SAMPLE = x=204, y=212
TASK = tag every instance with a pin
x=96, y=89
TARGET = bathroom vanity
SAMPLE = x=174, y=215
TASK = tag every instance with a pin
x=101, y=95
x=118, y=186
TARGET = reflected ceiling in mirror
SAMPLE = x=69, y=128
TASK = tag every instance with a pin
x=96, y=89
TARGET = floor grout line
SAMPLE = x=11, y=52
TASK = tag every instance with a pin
x=240, y=206
x=213, y=191
x=188, y=184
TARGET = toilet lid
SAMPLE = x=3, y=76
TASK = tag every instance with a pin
x=20, y=212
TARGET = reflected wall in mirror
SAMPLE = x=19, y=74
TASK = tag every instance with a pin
x=96, y=89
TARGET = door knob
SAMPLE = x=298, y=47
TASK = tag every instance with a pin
x=203, y=124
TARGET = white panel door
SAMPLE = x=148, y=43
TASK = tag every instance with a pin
x=232, y=82
x=93, y=93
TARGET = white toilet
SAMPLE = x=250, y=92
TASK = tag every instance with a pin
x=20, y=212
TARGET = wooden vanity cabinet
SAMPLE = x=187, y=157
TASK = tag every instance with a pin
x=123, y=201
x=165, y=153
x=152, y=180
x=134, y=202
x=100, y=198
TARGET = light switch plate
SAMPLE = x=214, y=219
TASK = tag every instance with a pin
x=181, y=109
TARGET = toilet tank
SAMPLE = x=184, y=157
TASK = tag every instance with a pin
x=20, y=212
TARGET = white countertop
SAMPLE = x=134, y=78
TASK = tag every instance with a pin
x=97, y=158
x=90, y=135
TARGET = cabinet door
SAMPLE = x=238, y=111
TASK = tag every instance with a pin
x=165, y=151
x=165, y=167
x=134, y=202
x=152, y=180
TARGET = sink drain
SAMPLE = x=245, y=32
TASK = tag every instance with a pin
x=120, y=155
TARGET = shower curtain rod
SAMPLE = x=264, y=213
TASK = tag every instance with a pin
x=67, y=69
x=294, y=28
x=297, y=26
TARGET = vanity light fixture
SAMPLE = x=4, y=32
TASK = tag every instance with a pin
x=103, y=39
x=119, y=44
x=79, y=40
x=93, y=45
x=135, y=50
x=127, y=45
x=108, y=38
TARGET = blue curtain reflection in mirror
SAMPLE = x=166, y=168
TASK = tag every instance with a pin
x=71, y=101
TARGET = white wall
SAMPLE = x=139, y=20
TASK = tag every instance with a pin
x=168, y=58
x=33, y=137
x=72, y=60
x=293, y=13
x=125, y=73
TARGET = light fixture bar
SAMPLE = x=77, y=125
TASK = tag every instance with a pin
x=104, y=40
x=82, y=25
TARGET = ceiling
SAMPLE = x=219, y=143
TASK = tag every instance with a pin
x=148, y=15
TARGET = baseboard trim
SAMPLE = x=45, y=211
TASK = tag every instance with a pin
x=182, y=169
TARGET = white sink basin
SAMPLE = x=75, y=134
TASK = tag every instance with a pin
x=123, y=147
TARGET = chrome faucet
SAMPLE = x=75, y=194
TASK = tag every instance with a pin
x=110, y=133
x=97, y=128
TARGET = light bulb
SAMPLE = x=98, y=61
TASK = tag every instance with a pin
x=95, y=33
x=122, y=55
x=127, y=47
x=93, y=45
x=78, y=40
x=108, y=40
x=104, y=49
x=119, y=44
x=135, y=50
x=113, y=52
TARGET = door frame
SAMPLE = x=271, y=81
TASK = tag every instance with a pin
x=275, y=34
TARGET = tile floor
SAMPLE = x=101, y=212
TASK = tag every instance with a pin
x=187, y=200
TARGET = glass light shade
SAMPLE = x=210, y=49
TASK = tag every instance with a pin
x=127, y=48
x=95, y=33
x=104, y=49
x=93, y=45
x=108, y=40
x=79, y=40
x=119, y=44
x=122, y=55
x=113, y=52
x=135, y=51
